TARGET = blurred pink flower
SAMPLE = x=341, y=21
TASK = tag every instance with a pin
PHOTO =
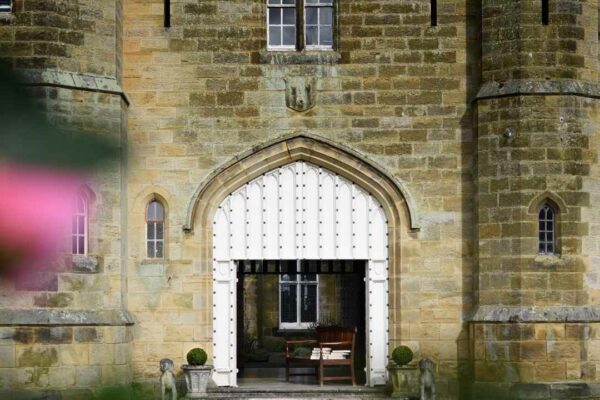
x=36, y=207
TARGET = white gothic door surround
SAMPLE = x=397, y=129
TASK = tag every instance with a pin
x=299, y=211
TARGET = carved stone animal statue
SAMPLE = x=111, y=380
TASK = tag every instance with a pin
x=167, y=378
x=426, y=380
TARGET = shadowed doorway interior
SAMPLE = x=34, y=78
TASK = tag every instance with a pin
x=281, y=300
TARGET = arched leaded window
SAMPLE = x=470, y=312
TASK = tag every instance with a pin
x=79, y=237
x=155, y=226
x=547, y=229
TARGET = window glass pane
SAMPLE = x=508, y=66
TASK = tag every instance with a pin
x=74, y=245
x=288, y=303
x=326, y=36
x=160, y=214
x=81, y=243
x=150, y=230
x=247, y=266
x=159, y=249
x=151, y=211
x=275, y=2
x=274, y=36
x=550, y=248
x=159, y=230
x=74, y=225
x=289, y=16
x=289, y=35
x=312, y=1
x=312, y=15
x=308, y=305
x=289, y=2
x=288, y=277
x=337, y=266
x=308, y=278
x=274, y=16
x=81, y=224
x=311, y=35
x=326, y=16
x=150, y=249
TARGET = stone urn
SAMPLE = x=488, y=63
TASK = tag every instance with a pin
x=402, y=376
x=196, y=380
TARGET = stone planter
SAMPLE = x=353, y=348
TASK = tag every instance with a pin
x=404, y=380
x=196, y=380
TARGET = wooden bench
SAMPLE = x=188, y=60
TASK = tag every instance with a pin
x=336, y=338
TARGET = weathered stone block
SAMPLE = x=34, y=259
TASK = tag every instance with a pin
x=53, y=335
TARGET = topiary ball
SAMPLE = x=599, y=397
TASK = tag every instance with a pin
x=196, y=356
x=402, y=355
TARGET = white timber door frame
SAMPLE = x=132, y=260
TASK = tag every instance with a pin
x=299, y=211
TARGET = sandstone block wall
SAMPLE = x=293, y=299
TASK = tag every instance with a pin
x=395, y=91
x=71, y=359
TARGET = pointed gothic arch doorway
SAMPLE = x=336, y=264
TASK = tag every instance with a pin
x=299, y=212
x=338, y=192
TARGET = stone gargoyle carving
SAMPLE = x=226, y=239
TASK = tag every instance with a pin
x=426, y=380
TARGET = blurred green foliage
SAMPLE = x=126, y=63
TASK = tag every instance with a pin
x=27, y=137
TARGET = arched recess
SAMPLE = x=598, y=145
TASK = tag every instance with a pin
x=555, y=200
x=214, y=231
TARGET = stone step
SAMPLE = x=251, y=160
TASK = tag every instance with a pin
x=357, y=393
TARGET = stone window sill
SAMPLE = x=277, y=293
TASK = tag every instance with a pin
x=154, y=261
x=86, y=263
x=277, y=57
x=548, y=260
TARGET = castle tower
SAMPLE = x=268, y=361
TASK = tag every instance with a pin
x=537, y=178
x=64, y=327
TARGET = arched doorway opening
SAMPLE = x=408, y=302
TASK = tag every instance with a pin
x=255, y=207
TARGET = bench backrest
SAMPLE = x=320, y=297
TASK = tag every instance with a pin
x=336, y=334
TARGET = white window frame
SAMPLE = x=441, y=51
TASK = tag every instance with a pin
x=6, y=8
x=319, y=6
x=298, y=324
x=154, y=240
x=75, y=233
x=281, y=25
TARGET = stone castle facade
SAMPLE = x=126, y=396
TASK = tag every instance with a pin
x=463, y=126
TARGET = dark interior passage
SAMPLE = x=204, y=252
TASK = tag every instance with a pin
x=279, y=300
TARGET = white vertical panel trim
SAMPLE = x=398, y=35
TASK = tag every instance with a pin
x=299, y=211
x=271, y=226
x=254, y=223
x=311, y=214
